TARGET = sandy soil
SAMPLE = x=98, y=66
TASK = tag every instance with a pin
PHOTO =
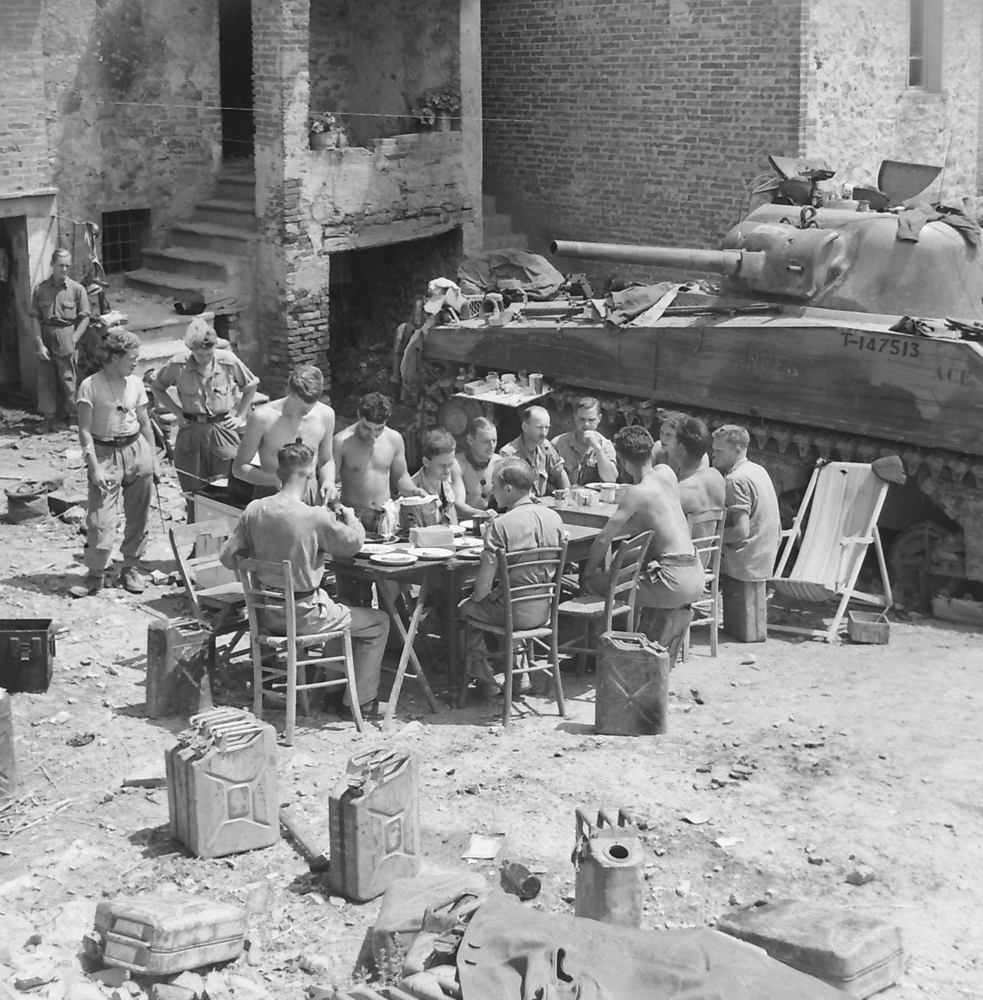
x=855, y=754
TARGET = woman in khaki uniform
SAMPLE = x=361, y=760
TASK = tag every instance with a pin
x=208, y=381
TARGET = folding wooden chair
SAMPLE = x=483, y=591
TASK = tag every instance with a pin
x=269, y=587
x=619, y=600
x=515, y=594
x=707, y=530
x=835, y=524
x=213, y=591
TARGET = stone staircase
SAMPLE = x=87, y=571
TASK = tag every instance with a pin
x=498, y=230
x=209, y=254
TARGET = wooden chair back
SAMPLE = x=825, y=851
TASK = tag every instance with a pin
x=549, y=560
x=623, y=580
x=268, y=587
x=707, y=532
x=196, y=549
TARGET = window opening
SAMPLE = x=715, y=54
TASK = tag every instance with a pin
x=123, y=238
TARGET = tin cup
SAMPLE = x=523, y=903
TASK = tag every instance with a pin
x=608, y=492
x=536, y=383
x=560, y=496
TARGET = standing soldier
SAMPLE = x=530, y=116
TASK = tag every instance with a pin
x=61, y=309
x=208, y=380
x=118, y=447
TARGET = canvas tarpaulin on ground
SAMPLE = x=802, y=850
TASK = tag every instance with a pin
x=511, y=952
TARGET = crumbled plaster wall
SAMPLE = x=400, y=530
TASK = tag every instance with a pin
x=372, y=61
x=859, y=109
x=132, y=92
x=414, y=179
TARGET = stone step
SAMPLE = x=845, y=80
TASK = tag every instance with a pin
x=235, y=189
x=514, y=241
x=227, y=212
x=211, y=236
x=205, y=264
x=178, y=287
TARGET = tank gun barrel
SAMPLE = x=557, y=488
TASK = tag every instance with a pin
x=730, y=262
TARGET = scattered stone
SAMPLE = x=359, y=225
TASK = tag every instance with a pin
x=320, y=993
x=246, y=989
x=697, y=697
x=861, y=875
x=748, y=660
x=159, y=578
x=111, y=977
x=472, y=790
x=217, y=986
x=734, y=900
x=696, y=819
x=315, y=965
x=683, y=888
x=815, y=859
x=727, y=841
x=190, y=981
x=61, y=718
x=164, y=991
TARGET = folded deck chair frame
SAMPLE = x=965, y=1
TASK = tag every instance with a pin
x=843, y=502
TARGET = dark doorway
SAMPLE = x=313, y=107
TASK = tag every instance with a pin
x=235, y=57
x=15, y=297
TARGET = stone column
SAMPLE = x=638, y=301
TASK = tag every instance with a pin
x=471, y=124
x=292, y=279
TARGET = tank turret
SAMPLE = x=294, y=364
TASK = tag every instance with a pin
x=829, y=258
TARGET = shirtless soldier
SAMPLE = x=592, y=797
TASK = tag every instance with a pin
x=371, y=461
x=701, y=487
x=300, y=417
x=672, y=577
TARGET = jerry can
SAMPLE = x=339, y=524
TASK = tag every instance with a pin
x=178, y=658
x=156, y=935
x=608, y=859
x=373, y=816
x=632, y=685
x=8, y=762
x=222, y=784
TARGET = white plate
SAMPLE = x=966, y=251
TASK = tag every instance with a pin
x=466, y=525
x=469, y=542
x=459, y=529
x=432, y=553
x=600, y=486
x=470, y=554
x=393, y=558
x=374, y=548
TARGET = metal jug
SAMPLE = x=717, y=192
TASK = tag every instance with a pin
x=608, y=859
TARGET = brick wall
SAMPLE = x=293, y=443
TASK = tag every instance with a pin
x=637, y=121
x=132, y=95
x=860, y=109
x=23, y=143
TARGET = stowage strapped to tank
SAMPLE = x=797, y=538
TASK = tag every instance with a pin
x=833, y=333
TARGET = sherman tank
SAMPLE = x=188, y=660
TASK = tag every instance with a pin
x=827, y=337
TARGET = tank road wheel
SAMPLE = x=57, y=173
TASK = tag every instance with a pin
x=914, y=578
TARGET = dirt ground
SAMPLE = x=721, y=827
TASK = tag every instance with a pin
x=851, y=755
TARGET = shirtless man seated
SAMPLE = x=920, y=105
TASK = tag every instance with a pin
x=672, y=577
x=300, y=417
x=371, y=462
x=701, y=487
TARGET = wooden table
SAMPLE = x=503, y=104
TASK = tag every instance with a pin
x=595, y=516
x=453, y=575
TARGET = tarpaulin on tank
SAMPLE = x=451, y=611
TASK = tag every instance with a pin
x=510, y=270
x=513, y=953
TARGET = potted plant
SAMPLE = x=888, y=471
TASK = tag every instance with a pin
x=438, y=108
x=325, y=131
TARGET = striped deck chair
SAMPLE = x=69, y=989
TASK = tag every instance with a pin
x=835, y=524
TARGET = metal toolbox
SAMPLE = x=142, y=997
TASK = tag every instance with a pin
x=27, y=654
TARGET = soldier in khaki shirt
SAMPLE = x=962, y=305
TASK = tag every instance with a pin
x=60, y=308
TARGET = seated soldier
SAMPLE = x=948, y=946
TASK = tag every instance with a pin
x=661, y=453
x=672, y=577
x=284, y=526
x=524, y=524
x=477, y=463
x=588, y=456
x=701, y=487
x=533, y=446
x=440, y=475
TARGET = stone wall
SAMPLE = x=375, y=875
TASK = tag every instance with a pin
x=23, y=143
x=859, y=109
x=372, y=61
x=637, y=121
x=132, y=94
